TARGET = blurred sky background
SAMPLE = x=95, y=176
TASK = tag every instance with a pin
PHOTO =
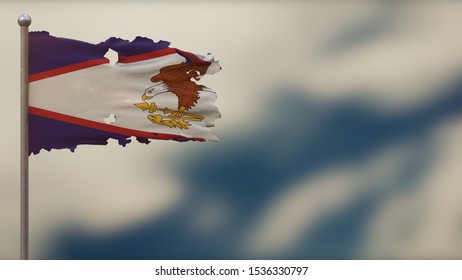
x=341, y=137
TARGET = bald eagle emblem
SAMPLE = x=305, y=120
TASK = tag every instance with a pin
x=178, y=79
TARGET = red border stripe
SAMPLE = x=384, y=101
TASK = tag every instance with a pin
x=194, y=58
x=67, y=69
x=122, y=59
x=146, y=56
x=107, y=127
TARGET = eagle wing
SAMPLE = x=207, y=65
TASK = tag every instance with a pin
x=175, y=73
x=177, y=78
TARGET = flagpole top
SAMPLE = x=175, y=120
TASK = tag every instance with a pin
x=24, y=20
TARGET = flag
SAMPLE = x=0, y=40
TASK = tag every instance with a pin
x=77, y=96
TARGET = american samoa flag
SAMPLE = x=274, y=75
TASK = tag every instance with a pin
x=78, y=97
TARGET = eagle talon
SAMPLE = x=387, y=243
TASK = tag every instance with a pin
x=178, y=114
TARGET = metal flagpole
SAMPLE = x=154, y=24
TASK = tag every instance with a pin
x=24, y=21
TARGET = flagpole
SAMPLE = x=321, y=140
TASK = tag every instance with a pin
x=24, y=21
